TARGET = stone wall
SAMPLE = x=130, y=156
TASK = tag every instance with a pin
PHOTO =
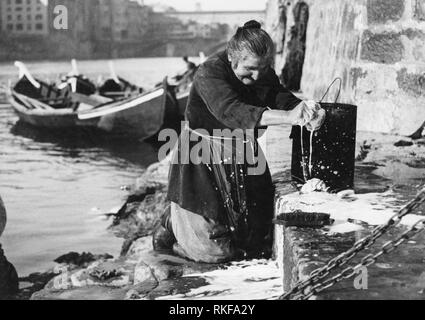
x=377, y=48
x=2, y=217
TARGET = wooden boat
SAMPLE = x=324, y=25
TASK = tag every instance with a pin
x=49, y=106
x=114, y=88
x=77, y=82
x=140, y=117
x=45, y=105
x=117, y=88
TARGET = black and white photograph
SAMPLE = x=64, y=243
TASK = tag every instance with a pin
x=214, y=156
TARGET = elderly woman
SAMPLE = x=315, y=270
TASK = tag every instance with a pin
x=218, y=211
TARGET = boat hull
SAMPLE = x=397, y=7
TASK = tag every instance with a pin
x=141, y=117
x=65, y=118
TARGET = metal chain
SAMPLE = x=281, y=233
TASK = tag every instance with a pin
x=304, y=288
x=366, y=261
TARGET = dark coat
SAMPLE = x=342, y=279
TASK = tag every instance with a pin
x=218, y=100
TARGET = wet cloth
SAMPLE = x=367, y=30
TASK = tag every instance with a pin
x=218, y=100
x=200, y=239
x=227, y=165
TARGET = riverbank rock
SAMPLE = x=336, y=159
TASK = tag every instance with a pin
x=8, y=274
x=2, y=217
x=8, y=278
x=81, y=260
x=34, y=283
x=144, y=207
x=142, y=273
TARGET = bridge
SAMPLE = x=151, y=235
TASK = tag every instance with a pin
x=231, y=18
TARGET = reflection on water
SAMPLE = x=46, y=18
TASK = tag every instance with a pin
x=55, y=188
x=55, y=185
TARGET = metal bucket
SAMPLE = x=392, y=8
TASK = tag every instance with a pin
x=334, y=147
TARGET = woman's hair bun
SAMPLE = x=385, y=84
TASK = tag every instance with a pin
x=252, y=24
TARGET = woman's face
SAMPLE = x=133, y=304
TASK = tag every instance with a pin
x=249, y=68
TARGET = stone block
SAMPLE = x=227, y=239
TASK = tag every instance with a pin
x=419, y=10
x=355, y=75
x=382, y=11
x=411, y=83
x=143, y=273
x=413, y=34
x=382, y=47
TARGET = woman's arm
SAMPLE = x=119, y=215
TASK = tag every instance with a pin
x=300, y=115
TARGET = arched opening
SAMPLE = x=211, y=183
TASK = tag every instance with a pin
x=282, y=29
x=292, y=71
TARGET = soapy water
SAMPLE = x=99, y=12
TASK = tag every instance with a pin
x=310, y=160
x=244, y=280
x=310, y=166
x=312, y=126
x=369, y=209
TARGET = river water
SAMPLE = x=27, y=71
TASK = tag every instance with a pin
x=55, y=188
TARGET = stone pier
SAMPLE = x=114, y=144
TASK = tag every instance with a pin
x=383, y=184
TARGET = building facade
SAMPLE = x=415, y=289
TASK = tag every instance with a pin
x=103, y=20
x=127, y=20
x=24, y=17
x=82, y=18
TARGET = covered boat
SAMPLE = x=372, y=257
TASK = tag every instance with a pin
x=117, y=88
x=113, y=88
x=46, y=105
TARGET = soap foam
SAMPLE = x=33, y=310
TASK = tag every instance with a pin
x=371, y=208
x=245, y=280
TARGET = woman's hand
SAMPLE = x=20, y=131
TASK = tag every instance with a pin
x=301, y=114
x=314, y=185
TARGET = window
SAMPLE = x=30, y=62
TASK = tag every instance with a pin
x=39, y=26
x=9, y=17
x=29, y=27
x=19, y=17
x=29, y=17
x=10, y=27
x=106, y=32
x=18, y=1
x=38, y=17
x=19, y=27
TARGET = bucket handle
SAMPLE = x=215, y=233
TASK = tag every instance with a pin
x=330, y=86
